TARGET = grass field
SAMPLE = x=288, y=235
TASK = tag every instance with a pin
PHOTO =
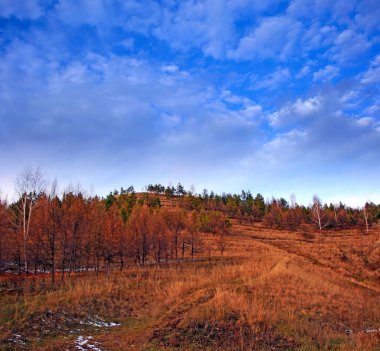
x=271, y=290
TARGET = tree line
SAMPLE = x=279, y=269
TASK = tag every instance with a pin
x=43, y=231
x=69, y=232
x=279, y=213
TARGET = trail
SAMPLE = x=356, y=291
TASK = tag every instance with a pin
x=289, y=256
x=145, y=333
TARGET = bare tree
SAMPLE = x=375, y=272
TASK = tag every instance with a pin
x=30, y=184
x=192, y=190
x=175, y=221
x=3, y=230
x=293, y=201
x=317, y=213
x=366, y=215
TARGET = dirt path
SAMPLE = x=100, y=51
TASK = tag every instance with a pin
x=288, y=256
x=146, y=334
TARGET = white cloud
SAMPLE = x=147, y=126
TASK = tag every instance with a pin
x=117, y=111
x=349, y=45
x=326, y=74
x=273, y=80
x=207, y=25
x=364, y=121
x=376, y=61
x=307, y=107
x=294, y=112
x=251, y=112
x=371, y=76
x=368, y=14
x=331, y=135
x=280, y=148
x=231, y=98
x=304, y=71
x=375, y=108
x=274, y=37
x=140, y=115
x=170, y=68
x=350, y=96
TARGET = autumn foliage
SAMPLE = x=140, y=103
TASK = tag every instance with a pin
x=61, y=234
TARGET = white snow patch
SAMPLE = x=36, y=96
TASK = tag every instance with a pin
x=369, y=330
x=99, y=322
x=83, y=343
x=348, y=331
x=17, y=339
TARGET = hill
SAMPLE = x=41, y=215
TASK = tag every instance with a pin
x=251, y=287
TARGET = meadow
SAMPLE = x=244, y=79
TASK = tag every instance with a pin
x=270, y=290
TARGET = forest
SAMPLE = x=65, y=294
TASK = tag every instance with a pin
x=61, y=233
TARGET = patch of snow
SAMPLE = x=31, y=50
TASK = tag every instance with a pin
x=81, y=341
x=348, y=331
x=17, y=339
x=100, y=323
x=83, y=344
x=368, y=330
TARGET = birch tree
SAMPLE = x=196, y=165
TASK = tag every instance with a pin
x=318, y=213
x=4, y=228
x=366, y=215
x=29, y=186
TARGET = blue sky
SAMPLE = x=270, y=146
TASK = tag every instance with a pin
x=278, y=97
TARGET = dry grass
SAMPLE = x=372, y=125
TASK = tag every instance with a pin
x=273, y=290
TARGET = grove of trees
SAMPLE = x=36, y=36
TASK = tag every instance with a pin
x=61, y=233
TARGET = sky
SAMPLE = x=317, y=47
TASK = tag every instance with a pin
x=276, y=97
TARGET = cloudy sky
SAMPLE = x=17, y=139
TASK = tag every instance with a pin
x=278, y=97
